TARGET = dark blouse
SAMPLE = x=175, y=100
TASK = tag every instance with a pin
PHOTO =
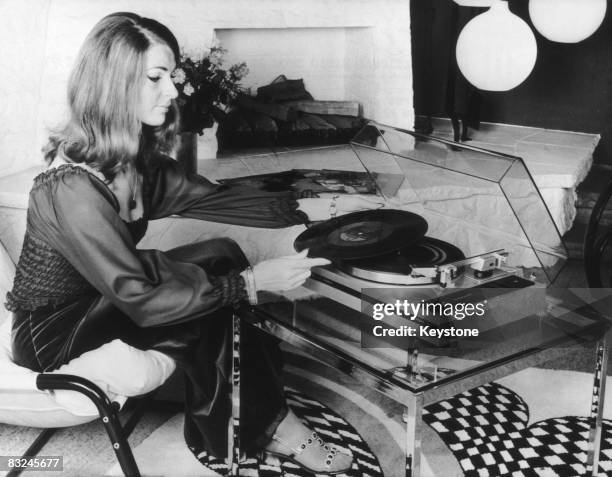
x=76, y=243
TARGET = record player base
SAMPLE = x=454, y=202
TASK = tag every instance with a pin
x=506, y=300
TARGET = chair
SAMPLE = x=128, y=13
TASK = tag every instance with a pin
x=65, y=398
x=597, y=239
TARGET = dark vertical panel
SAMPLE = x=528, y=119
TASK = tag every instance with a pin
x=440, y=89
x=570, y=87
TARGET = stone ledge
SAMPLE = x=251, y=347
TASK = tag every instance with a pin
x=555, y=159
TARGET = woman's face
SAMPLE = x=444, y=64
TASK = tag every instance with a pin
x=158, y=89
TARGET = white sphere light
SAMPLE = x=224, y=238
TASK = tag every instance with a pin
x=567, y=21
x=496, y=50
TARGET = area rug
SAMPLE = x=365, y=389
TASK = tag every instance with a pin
x=538, y=402
x=330, y=427
x=488, y=431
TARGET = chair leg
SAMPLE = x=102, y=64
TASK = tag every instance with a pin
x=34, y=449
x=107, y=410
x=118, y=439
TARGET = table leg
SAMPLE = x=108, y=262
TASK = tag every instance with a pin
x=597, y=403
x=233, y=431
x=414, y=427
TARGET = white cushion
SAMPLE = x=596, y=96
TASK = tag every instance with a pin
x=20, y=401
x=120, y=370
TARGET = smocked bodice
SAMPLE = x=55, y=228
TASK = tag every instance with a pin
x=43, y=277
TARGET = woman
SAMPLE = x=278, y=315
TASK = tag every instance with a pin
x=81, y=282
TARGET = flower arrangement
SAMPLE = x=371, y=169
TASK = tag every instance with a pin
x=206, y=90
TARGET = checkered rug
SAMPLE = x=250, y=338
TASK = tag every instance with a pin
x=487, y=430
x=329, y=425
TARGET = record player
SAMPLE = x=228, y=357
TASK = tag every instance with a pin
x=461, y=220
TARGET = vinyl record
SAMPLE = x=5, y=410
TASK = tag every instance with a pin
x=362, y=234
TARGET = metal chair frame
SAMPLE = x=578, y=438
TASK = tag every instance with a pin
x=108, y=411
x=119, y=433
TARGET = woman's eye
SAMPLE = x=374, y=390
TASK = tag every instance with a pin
x=155, y=79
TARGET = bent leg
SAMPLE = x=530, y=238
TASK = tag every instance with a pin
x=202, y=348
x=262, y=397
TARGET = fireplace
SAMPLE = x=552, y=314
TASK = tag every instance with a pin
x=349, y=50
x=288, y=68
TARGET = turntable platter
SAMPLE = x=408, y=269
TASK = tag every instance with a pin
x=395, y=267
x=362, y=234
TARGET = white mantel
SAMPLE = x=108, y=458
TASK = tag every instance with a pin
x=343, y=49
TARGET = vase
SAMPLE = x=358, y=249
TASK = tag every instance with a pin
x=207, y=143
x=186, y=151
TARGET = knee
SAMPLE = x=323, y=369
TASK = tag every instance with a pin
x=225, y=246
x=228, y=255
x=217, y=255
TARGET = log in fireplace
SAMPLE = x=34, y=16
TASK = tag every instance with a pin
x=283, y=113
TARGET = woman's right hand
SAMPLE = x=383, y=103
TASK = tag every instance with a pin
x=285, y=273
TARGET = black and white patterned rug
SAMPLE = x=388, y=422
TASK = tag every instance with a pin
x=329, y=425
x=508, y=429
x=487, y=430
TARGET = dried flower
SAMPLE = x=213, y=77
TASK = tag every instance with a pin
x=188, y=90
x=178, y=76
x=206, y=90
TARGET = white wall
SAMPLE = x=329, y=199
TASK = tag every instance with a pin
x=364, y=45
x=295, y=52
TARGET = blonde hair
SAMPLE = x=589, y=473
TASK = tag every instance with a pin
x=103, y=130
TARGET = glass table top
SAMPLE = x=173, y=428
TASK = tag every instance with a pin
x=507, y=332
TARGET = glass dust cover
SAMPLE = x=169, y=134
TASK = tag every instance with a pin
x=478, y=200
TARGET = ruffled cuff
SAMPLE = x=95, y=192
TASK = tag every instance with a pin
x=286, y=210
x=232, y=288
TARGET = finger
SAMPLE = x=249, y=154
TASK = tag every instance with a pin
x=306, y=263
x=298, y=282
x=319, y=262
x=314, y=262
x=301, y=255
x=301, y=278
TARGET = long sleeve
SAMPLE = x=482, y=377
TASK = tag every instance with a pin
x=173, y=192
x=75, y=214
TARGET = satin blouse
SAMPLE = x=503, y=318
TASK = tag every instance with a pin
x=77, y=243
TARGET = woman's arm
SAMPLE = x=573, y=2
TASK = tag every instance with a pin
x=173, y=192
x=76, y=215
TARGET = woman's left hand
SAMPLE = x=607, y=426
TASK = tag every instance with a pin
x=328, y=205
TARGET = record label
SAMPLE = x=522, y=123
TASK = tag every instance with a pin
x=360, y=233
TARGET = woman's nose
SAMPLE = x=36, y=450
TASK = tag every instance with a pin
x=170, y=90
